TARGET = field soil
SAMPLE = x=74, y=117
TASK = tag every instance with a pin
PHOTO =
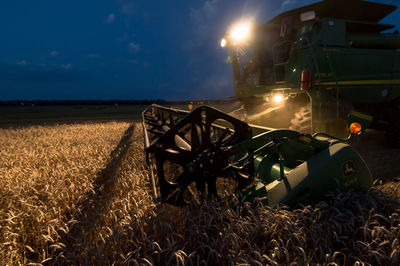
x=383, y=160
x=78, y=192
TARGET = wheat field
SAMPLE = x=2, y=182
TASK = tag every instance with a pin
x=79, y=194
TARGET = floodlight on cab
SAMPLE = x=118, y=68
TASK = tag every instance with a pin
x=240, y=33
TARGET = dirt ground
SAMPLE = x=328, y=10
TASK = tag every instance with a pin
x=383, y=161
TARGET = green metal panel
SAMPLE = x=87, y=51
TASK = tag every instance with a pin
x=330, y=31
x=344, y=9
x=269, y=169
x=339, y=166
x=360, y=74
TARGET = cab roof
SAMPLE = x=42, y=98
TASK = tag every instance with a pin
x=356, y=10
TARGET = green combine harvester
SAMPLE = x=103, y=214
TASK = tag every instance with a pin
x=208, y=154
x=308, y=68
x=331, y=61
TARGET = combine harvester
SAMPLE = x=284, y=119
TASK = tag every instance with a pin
x=328, y=58
x=308, y=68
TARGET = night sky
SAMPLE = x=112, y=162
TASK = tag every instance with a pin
x=124, y=49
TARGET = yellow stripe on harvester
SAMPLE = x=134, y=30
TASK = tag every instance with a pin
x=361, y=115
x=363, y=82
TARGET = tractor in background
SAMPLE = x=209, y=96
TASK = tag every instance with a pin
x=309, y=68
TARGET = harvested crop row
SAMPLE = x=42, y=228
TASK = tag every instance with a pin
x=44, y=171
x=113, y=216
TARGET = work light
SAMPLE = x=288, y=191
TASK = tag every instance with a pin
x=241, y=32
x=223, y=42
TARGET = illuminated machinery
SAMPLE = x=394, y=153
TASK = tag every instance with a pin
x=331, y=59
x=206, y=154
x=320, y=62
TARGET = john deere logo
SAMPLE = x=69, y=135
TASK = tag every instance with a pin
x=348, y=169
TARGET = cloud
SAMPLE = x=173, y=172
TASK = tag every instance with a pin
x=22, y=63
x=134, y=47
x=66, y=66
x=128, y=7
x=110, y=18
x=54, y=53
x=93, y=56
x=287, y=4
x=292, y=4
x=207, y=11
x=204, y=17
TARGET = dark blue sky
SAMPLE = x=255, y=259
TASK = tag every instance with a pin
x=123, y=49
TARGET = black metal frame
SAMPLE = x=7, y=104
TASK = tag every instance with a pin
x=185, y=139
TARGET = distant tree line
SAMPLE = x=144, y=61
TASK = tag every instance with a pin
x=201, y=102
x=80, y=102
x=103, y=102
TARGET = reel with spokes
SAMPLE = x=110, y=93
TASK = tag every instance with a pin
x=188, y=158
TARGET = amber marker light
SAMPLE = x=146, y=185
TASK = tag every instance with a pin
x=190, y=106
x=355, y=128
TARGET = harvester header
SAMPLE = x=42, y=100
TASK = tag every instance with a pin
x=207, y=154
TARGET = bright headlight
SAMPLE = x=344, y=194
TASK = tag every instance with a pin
x=278, y=98
x=223, y=42
x=241, y=32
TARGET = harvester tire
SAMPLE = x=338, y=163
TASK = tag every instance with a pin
x=393, y=131
x=302, y=120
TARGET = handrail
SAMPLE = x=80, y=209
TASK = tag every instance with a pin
x=315, y=62
x=274, y=46
x=312, y=53
x=336, y=86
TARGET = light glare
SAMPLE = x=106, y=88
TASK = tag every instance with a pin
x=277, y=98
x=241, y=32
x=223, y=42
x=355, y=128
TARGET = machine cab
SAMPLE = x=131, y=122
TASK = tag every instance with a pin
x=329, y=40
